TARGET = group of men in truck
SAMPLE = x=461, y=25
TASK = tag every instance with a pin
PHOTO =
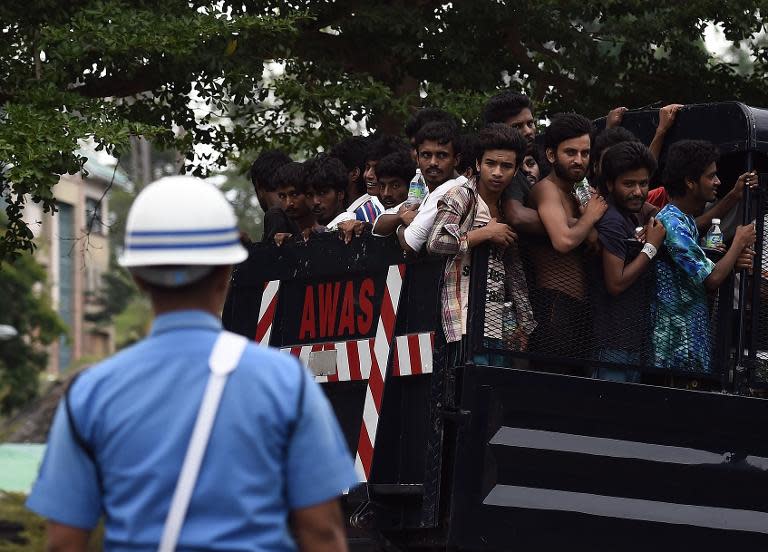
x=503, y=187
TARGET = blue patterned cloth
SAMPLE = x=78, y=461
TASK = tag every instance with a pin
x=681, y=337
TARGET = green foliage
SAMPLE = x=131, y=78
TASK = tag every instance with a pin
x=186, y=73
x=27, y=309
x=110, y=69
x=133, y=322
x=117, y=290
x=239, y=191
x=31, y=535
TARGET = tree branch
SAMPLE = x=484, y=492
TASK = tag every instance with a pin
x=520, y=52
x=143, y=80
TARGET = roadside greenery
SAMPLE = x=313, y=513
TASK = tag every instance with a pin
x=23, y=531
x=26, y=307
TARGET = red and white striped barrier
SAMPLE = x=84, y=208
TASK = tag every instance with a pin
x=385, y=332
x=363, y=359
x=413, y=354
x=353, y=358
x=267, y=312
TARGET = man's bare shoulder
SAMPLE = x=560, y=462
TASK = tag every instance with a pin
x=545, y=190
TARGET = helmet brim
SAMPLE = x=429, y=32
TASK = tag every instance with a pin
x=230, y=255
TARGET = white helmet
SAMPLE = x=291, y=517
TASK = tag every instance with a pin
x=181, y=221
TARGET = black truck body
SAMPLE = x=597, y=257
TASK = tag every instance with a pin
x=533, y=455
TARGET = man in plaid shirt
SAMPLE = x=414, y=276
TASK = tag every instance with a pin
x=469, y=215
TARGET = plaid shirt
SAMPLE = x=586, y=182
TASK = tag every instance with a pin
x=456, y=214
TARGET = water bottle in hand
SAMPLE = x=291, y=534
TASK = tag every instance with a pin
x=715, y=236
x=582, y=192
x=417, y=189
x=508, y=324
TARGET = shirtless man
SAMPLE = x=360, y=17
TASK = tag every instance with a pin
x=560, y=304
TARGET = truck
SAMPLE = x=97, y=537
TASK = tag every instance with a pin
x=462, y=447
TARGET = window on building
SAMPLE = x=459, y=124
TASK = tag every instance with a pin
x=94, y=221
x=92, y=281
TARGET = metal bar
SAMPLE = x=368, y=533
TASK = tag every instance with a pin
x=740, y=341
x=476, y=305
x=433, y=468
x=723, y=338
x=757, y=267
x=390, y=489
x=451, y=356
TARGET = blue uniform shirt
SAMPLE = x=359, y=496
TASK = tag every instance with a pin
x=275, y=445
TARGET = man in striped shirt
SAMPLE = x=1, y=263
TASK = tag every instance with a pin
x=368, y=207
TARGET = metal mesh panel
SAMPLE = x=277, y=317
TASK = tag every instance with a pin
x=757, y=303
x=657, y=325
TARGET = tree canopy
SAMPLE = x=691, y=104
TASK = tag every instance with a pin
x=235, y=76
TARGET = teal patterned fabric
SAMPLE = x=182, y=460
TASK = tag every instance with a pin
x=681, y=337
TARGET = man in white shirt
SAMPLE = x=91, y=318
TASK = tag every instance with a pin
x=423, y=117
x=437, y=149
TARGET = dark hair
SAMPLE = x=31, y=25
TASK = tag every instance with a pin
x=442, y=133
x=541, y=160
x=498, y=136
x=399, y=165
x=566, y=126
x=352, y=151
x=469, y=146
x=687, y=159
x=264, y=168
x=505, y=105
x=624, y=157
x=425, y=116
x=291, y=174
x=607, y=138
x=381, y=146
x=324, y=172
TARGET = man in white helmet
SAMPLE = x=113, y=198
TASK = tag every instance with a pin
x=259, y=467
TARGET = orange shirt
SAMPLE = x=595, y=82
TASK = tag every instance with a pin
x=658, y=197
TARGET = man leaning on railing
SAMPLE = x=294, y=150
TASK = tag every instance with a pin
x=681, y=337
x=469, y=215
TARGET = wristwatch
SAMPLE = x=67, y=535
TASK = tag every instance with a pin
x=650, y=250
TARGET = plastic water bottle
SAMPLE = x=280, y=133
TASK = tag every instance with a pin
x=417, y=189
x=715, y=236
x=581, y=192
x=508, y=323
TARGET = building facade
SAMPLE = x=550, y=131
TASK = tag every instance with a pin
x=73, y=246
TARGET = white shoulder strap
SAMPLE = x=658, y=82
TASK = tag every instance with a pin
x=224, y=358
